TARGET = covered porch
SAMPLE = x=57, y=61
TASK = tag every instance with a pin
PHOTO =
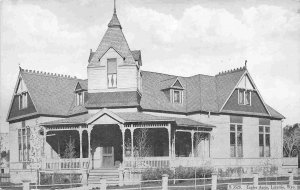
x=127, y=140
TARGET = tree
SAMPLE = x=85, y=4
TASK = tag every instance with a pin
x=70, y=149
x=142, y=140
x=291, y=140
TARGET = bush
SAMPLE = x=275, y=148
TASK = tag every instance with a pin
x=47, y=178
x=187, y=172
x=178, y=173
x=156, y=174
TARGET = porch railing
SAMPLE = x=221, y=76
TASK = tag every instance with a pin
x=146, y=162
x=66, y=164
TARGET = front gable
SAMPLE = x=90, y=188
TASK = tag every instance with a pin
x=245, y=98
x=16, y=110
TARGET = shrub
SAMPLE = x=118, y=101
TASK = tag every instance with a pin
x=156, y=174
x=178, y=173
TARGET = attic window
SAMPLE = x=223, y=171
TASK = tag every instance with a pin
x=177, y=96
x=79, y=98
x=112, y=73
x=244, y=97
x=23, y=100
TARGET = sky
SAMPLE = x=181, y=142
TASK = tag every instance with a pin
x=177, y=37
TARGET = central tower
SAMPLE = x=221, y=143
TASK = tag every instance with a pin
x=113, y=66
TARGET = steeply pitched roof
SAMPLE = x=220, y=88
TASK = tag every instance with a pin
x=137, y=56
x=113, y=38
x=225, y=83
x=52, y=94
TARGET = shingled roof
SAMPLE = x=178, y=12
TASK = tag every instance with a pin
x=113, y=38
x=52, y=94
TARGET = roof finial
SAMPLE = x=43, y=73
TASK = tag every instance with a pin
x=115, y=11
x=246, y=64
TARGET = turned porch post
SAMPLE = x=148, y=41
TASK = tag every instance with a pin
x=89, y=130
x=45, y=141
x=123, y=140
x=132, y=132
x=80, y=144
x=169, y=136
x=192, y=139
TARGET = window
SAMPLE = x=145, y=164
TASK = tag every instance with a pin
x=177, y=96
x=24, y=142
x=79, y=98
x=244, y=97
x=236, y=140
x=112, y=73
x=23, y=103
x=264, y=141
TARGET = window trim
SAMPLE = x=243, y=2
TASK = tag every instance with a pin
x=264, y=133
x=236, y=139
x=116, y=74
x=80, y=96
x=23, y=100
x=24, y=153
x=180, y=96
x=244, y=96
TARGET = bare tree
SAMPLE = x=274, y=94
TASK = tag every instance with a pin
x=291, y=140
x=70, y=151
x=143, y=147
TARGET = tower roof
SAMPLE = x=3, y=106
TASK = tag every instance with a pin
x=114, y=22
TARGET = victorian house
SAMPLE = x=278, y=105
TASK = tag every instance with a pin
x=124, y=117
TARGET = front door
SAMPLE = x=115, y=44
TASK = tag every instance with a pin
x=108, y=157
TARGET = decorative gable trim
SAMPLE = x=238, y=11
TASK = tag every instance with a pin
x=177, y=84
x=107, y=51
x=102, y=112
x=20, y=79
x=246, y=73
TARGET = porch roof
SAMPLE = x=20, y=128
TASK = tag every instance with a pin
x=131, y=117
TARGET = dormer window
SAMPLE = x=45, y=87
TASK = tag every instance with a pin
x=177, y=96
x=244, y=97
x=112, y=73
x=79, y=98
x=23, y=100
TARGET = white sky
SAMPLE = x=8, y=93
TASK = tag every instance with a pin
x=176, y=37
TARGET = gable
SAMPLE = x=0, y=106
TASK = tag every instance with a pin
x=78, y=87
x=16, y=112
x=177, y=84
x=245, y=83
x=257, y=105
x=21, y=86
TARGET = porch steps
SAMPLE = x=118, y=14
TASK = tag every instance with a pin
x=110, y=174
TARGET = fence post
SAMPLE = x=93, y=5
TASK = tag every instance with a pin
x=291, y=178
x=84, y=178
x=103, y=184
x=121, y=177
x=26, y=184
x=255, y=179
x=214, y=179
x=165, y=181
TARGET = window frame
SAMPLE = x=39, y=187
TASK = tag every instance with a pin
x=112, y=74
x=236, y=133
x=264, y=133
x=180, y=96
x=245, y=97
x=24, y=146
x=80, y=95
x=23, y=100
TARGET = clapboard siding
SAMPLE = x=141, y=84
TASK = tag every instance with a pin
x=97, y=78
x=127, y=77
x=126, y=74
